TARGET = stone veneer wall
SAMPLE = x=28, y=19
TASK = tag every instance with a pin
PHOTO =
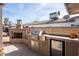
x=74, y=30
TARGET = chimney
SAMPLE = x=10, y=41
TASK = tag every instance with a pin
x=19, y=23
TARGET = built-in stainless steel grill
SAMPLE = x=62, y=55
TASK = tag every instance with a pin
x=36, y=33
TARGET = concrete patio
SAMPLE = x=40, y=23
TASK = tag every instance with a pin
x=18, y=50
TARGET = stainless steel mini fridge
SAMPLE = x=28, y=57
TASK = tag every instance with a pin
x=57, y=48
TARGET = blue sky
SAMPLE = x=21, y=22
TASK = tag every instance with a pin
x=29, y=12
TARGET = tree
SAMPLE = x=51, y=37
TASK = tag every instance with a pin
x=6, y=25
x=6, y=21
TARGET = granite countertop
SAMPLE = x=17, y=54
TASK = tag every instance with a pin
x=61, y=38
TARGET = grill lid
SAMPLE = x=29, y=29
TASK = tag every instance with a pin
x=37, y=32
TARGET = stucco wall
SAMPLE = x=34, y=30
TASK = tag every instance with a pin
x=1, y=30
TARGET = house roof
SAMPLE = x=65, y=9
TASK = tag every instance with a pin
x=60, y=20
x=49, y=23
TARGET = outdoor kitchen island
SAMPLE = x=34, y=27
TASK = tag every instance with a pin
x=62, y=46
x=53, y=45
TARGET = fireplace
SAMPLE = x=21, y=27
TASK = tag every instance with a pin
x=17, y=35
